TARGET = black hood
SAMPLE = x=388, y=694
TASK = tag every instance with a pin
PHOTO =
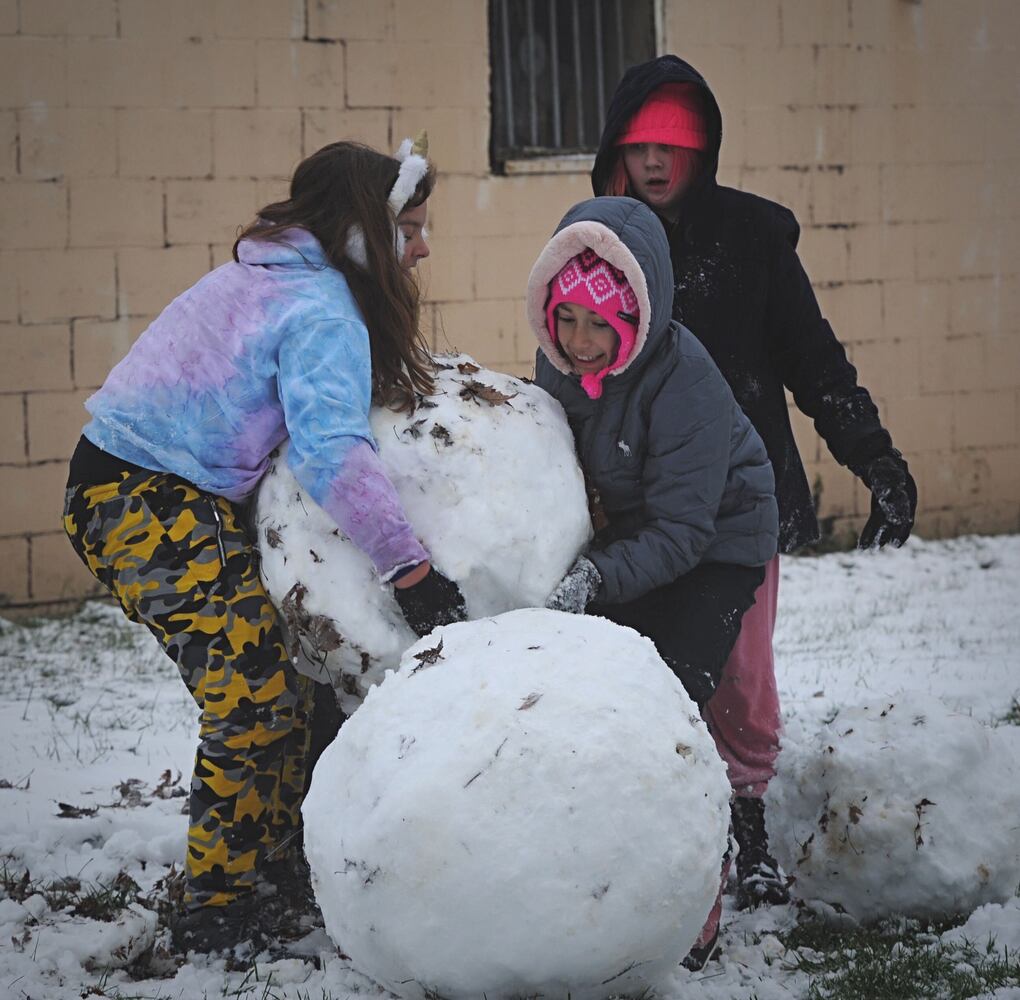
x=632, y=91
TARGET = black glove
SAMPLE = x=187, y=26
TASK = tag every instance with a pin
x=893, y=501
x=577, y=589
x=431, y=602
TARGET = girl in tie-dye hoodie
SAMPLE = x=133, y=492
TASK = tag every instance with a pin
x=314, y=320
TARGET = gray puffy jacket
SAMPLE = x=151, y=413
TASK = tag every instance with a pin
x=680, y=471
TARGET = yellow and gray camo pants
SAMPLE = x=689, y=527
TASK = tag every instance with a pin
x=178, y=561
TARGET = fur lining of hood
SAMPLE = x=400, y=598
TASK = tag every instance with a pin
x=567, y=243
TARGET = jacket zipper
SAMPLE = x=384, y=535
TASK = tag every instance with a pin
x=219, y=532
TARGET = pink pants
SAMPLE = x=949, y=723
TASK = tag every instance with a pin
x=743, y=714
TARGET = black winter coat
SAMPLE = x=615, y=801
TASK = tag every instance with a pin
x=740, y=288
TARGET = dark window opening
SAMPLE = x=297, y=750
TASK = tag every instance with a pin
x=555, y=65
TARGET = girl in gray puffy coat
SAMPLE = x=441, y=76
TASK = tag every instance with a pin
x=681, y=489
x=682, y=492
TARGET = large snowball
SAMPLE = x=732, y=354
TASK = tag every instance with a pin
x=530, y=806
x=487, y=474
x=899, y=807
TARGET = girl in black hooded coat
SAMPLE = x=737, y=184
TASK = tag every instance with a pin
x=740, y=288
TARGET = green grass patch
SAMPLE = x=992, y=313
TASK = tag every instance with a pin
x=1012, y=717
x=898, y=960
x=95, y=900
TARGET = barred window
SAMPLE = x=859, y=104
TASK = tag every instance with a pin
x=555, y=64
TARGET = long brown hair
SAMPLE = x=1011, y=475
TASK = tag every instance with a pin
x=343, y=185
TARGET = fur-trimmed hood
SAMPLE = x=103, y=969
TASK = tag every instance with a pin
x=627, y=234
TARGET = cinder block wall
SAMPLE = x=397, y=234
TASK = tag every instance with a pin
x=136, y=135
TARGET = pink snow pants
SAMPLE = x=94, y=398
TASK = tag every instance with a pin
x=743, y=714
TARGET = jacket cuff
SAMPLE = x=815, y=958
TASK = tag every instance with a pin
x=400, y=572
x=867, y=450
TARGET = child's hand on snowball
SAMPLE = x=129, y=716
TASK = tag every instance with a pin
x=577, y=589
x=433, y=601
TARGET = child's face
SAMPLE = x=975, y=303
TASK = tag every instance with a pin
x=588, y=341
x=412, y=224
x=659, y=175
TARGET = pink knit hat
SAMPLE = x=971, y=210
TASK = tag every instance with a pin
x=670, y=116
x=589, y=281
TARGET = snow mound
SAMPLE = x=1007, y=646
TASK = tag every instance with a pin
x=995, y=926
x=899, y=807
x=530, y=806
x=487, y=474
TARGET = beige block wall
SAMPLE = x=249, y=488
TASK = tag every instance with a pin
x=136, y=135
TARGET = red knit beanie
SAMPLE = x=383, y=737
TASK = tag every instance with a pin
x=589, y=281
x=670, y=116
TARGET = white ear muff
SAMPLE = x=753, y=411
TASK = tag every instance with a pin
x=355, y=248
x=414, y=165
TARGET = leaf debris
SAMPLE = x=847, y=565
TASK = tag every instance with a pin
x=919, y=808
x=67, y=811
x=475, y=390
x=440, y=433
x=319, y=630
x=427, y=657
x=414, y=430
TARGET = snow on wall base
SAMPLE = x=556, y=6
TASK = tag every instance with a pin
x=899, y=807
x=530, y=806
x=487, y=474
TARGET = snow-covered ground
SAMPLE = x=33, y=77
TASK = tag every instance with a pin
x=96, y=731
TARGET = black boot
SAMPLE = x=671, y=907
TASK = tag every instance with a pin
x=760, y=880
x=214, y=929
x=291, y=911
x=700, y=955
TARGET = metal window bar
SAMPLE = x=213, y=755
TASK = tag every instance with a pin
x=600, y=66
x=529, y=99
x=529, y=7
x=620, y=64
x=578, y=90
x=508, y=89
x=554, y=62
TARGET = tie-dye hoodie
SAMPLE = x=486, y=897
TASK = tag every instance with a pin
x=271, y=347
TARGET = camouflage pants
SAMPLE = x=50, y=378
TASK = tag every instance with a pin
x=178, y=561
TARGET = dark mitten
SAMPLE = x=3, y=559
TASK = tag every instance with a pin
x=433, y=601
x=577, y=589
x=893, y=501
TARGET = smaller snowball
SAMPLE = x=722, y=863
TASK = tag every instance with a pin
x=899, y=807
